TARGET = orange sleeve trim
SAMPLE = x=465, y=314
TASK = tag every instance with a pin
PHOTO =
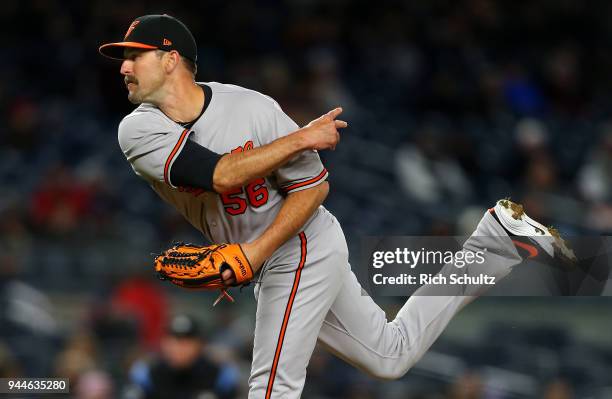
x=321, y=175
x=281, y=336
x=170, y=159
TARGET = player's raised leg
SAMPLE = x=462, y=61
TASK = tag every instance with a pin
x=356, y=329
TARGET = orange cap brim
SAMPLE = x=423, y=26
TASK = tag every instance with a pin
x=115, y=50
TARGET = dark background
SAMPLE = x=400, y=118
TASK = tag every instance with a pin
x=451, y=105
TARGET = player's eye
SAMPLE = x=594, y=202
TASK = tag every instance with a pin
x=132, y=55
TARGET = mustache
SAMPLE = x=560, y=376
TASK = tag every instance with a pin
x=129, y=79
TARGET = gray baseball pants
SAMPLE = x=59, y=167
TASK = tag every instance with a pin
x=308, y=293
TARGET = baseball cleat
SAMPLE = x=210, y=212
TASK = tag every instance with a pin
x=532, y=239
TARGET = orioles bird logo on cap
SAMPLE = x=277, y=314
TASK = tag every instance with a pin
x=130, y=29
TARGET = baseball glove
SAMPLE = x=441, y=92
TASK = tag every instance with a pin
x=199, y=268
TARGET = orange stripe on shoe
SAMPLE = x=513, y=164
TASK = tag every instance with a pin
x=307, y=182
x=171, y=156
x=533, y=251
x=281, y=336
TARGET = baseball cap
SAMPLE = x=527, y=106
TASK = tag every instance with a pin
x=154, y=32
x=183, y=326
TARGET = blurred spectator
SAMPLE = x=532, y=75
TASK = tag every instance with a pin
x=9, y=367
x=79, y=356
x=16, y=243
x=595, y=178
x=326, y=86
x=521, y=93
x=141, y=299
x=182, y=369
x=360, y=391
x=467, y=386
x=93, y=177
x=323, y=373
x=27, y=322
x=531, y=141
x=558, y=390
x=563, y=80
x=595, y=182
x=24, y=125
x=427, y=172
x=94, y=384
x=61, y=202
x=539, y=168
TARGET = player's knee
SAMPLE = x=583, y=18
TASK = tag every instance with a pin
x=388, y=374
x=392, y=369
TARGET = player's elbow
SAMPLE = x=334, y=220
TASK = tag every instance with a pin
x=224, y=179
x=223, y=184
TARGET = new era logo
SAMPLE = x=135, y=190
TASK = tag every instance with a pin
x=167, y=42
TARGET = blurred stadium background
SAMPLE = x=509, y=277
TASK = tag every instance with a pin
x=451, y=105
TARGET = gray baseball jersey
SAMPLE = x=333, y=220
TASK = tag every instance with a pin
x=307, y=291
x=236, y=119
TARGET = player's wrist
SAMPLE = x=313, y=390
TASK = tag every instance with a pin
x=253, y=253
x=258, y=251
x=303, y=139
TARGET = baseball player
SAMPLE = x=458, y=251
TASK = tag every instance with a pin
x=266, y=194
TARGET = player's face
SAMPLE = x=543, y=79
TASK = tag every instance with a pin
x=143, y=75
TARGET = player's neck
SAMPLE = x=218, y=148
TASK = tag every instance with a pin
x=184, y=101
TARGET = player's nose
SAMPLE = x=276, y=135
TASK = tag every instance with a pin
x=126, y=67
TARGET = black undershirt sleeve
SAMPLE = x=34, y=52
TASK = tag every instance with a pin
x=194, y=167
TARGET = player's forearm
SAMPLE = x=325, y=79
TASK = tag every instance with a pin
x=238, y=169
x=295, y=212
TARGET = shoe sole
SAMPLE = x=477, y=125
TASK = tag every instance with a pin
x=513, y=217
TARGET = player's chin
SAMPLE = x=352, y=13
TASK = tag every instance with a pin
x=133, y=98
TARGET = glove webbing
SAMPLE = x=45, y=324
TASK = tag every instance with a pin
x=189, y=262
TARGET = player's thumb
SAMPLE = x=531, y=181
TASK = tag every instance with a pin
x=227, y=277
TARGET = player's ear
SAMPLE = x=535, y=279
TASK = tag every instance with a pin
x=171, y=60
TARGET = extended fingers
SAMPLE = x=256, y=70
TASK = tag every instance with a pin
x=334, y=112
x=340, y=124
